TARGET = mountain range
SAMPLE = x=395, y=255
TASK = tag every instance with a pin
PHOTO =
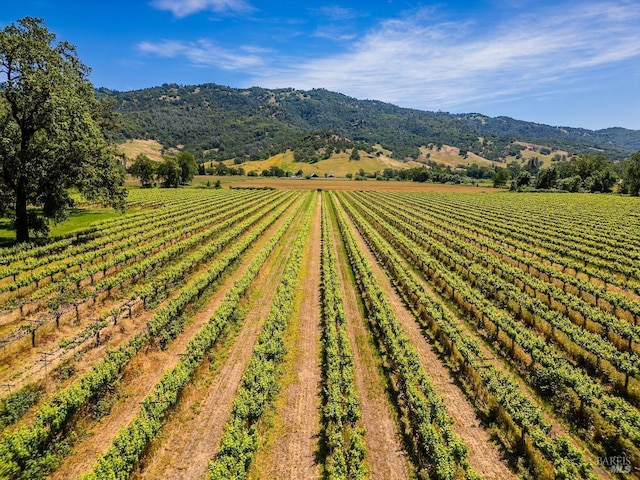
x=221, y=123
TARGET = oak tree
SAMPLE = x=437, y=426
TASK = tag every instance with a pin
x=188, y=166
x=631, y=177
x=169, y=172
x=143, y=168
x=51, y=130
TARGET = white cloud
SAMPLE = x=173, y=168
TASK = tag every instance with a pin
x=206, y=53
x=432, y=64
x=334, y=33
x=338, y=13
x=184, y=8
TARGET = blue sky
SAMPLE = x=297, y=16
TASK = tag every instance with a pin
x=570, y=63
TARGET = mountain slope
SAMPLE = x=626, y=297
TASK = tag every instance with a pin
x=219, y=123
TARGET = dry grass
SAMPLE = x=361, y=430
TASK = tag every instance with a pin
x=533, y=150
x=338, y=165
x=132, y=148
x=450, y=156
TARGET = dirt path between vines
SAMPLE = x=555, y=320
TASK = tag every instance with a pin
x=484, y=455
x=144, y=371
x=192, y=435
x=294, y=449
x=386, y=457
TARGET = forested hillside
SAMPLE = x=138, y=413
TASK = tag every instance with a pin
x=219, y=123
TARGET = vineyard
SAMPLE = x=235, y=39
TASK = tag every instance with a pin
x=248, y=333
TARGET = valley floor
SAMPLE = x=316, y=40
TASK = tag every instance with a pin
x=319, y=330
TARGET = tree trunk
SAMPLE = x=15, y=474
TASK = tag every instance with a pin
x=22, y=221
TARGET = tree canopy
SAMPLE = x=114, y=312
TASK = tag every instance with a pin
x=188, y=166
x=500, y=177
x=631, y=178
x=143, y=168
x=51, y=130
x=169, y=173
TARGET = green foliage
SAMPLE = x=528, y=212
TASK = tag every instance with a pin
x=478, y=171
x=570, y=184
x=122, y=456
x=532, y=165
x=437, y=260
x=601, y=181
x=219, y=168
x=546, y=178
x=177, y=170
x=143, y=168
x=596, y=171
x=500, y=177
x=51, y=129
x=260, y=381
x=29, y=448
x=320, y=146
x=586, y=165
x=438, y=450
x=590, y=173
x=305, y=154
x=257, y=123
x=435, y=173
x=188, y=166
x=514, y=169
x=169, y=173
x=274, y=171
x=16, y=404
x=523, y=179
x=631, y=178
x=343, y=438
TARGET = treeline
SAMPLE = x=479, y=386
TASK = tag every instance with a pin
x=173, y=171
x=220, y=169
x=583, y=173
x=431, y=172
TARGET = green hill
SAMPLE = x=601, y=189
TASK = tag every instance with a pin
x=221, y=123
